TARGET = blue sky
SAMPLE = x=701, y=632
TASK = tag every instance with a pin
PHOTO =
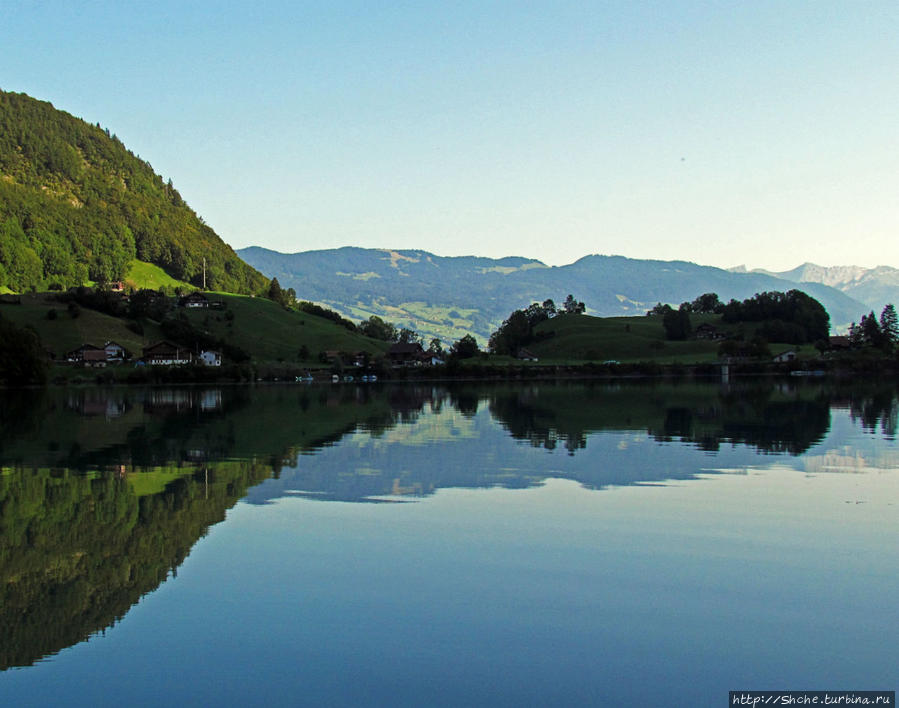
x=723, y=133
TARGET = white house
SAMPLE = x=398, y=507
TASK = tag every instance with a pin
x=114, y=351
x=211, y=358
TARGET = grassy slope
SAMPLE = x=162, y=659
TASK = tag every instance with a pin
x=271, y=333
x=146, y=275
x=630, y=339
x=267, y=331
x=65, y=333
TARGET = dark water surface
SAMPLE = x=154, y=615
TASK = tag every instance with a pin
x=482, y=545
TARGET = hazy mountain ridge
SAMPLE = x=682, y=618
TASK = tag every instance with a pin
x=448, y=297
x=875, y=287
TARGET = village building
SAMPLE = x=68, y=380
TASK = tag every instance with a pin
x=789, y=355
x=87, y=355
x=526, y=355
x=195, y=299
x=210, y=358
x=707, y=331
x=838, y=342
x=406, y=354
x=115, y=352
x=166, y=354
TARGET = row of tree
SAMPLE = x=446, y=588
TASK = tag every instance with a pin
x=792, y=317
x=518, y=329
x=871, y=332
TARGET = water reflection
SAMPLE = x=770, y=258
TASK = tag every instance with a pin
x=104, y=492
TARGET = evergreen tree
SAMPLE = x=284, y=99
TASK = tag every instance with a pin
x=465, y=348
x=871, y=334
x=889, y=325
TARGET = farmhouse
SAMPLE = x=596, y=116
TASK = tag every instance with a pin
x=87, y=355
x=406, y=354
x=166, y=354
x=210, y=358
x=195, y=299
x=788, y=355
x=707, y=331
x=114, y=352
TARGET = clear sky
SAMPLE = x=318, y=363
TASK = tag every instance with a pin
x=725, y=133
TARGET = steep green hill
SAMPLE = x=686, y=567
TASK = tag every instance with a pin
x=77, y=205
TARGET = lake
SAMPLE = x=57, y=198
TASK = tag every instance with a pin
x=501, y=545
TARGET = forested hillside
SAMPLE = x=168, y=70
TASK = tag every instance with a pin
x=77, y=205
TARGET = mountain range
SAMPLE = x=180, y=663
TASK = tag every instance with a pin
x=875, y=287
x=448, y=297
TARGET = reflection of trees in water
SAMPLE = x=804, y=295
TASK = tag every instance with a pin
x=877, y=410
x=21, y=414
x=765, y=417
x=77, y=551
x=544, y=421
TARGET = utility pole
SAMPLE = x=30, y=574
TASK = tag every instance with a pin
x=204, y=272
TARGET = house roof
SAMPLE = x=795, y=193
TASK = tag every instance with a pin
x=163, y=347
x=405, y=348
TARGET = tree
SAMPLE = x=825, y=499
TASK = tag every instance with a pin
x=549, y=307
x=572, y=306
x=677, y=323
x=435, y=348
x=707, y=303
x=408, y=336
x=465, y=348
x=376, y=328
x=22, y=359
x=276, y=294
x=513, y=333
x=871, y=334
x=855, y=336
x=889, y=326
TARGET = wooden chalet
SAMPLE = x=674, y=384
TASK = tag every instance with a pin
x=406, y=354
x=195, y=299
x=115, y=352
x=166, y=354
x=87, y=355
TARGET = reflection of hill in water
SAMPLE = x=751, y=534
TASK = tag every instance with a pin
x=104, y=492
x=77, y=551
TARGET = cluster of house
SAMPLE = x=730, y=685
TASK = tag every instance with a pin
x=158, y=354
x=400, y=354
x=411, y=354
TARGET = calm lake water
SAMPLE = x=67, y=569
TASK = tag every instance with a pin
x=499, y=545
